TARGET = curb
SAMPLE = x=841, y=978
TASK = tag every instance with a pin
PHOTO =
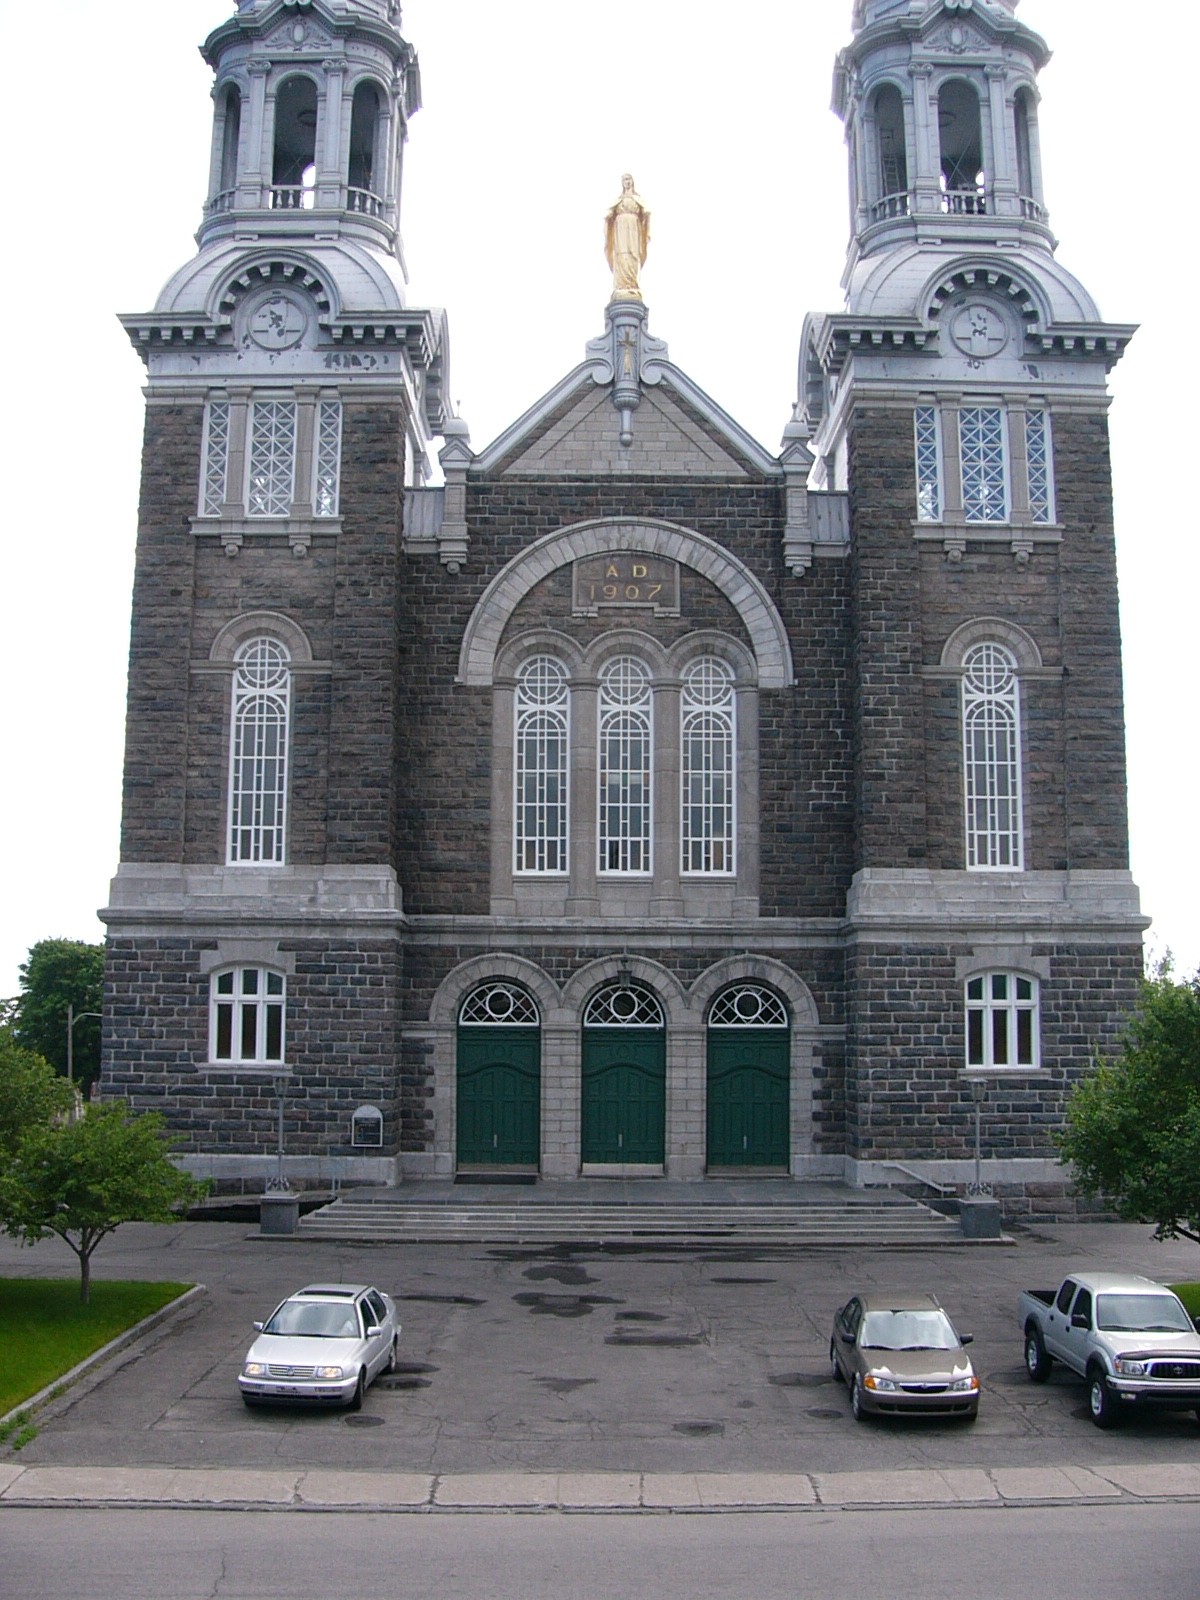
x=53, y=1391
x=594, y=1494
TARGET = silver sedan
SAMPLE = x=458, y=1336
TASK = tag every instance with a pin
x=324, y=1344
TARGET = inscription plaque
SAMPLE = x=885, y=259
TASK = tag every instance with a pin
x=625, y=579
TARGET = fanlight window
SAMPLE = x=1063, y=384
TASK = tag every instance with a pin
x=992, y=759
x=707, y=767
x=748, y=1006
x=541, y=767
x=625, y=766
x=258, y=756
x=623, y=1005
x=499, y=1005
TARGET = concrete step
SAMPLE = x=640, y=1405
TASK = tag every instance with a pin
x=855, y=1222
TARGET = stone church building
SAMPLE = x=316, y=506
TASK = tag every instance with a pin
x=622, y=798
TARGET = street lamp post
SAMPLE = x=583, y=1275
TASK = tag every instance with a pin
x=979, y=1189
x=279, y=1184
x=72, y=1019
x=279, y=1209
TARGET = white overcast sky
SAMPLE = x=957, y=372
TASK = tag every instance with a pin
x=533, y=109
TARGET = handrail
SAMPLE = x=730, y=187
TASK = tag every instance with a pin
x=942, y=1189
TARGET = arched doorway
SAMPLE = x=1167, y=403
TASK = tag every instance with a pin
x=749, y=1074
x=624, y=1072
x=499, y=1078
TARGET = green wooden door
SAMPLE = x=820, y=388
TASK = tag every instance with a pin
x=499, y=1096
x=748, y=1099
x=624, y=1095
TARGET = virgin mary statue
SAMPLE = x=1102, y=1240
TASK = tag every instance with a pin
x=626, y=239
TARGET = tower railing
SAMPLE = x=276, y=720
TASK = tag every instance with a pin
x=892, y=205
x=970, y=202
x=299, y=197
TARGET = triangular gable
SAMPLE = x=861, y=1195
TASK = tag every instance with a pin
x=575, y=431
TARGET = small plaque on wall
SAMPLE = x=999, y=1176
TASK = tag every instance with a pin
x=624, y=581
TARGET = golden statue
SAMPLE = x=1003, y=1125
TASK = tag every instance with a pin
x=626, y=239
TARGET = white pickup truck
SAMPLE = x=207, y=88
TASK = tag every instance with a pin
x=1129, y=1337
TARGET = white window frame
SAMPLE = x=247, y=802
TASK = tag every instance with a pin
x=999, y=1021
x=992, y=781
x=327, y=458
x=271, y=456
x=629, y=721
x=247, y=997
x=1040, y=478
x=258, y=775
x=531, y=711
x=214, y=474
x=997, y=422
x=718, y=718
x=930, y=466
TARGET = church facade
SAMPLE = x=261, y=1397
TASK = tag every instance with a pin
x=634, y=800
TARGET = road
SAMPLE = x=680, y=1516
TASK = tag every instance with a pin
x=1102, y=1552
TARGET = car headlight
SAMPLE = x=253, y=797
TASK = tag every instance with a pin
x=882, y=1385
x=965, y=1385
x=329, y=1372
x=1131, y=1369
x=254, y=1369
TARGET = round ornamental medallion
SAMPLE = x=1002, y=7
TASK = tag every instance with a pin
x=279, y=323
x=978, y=330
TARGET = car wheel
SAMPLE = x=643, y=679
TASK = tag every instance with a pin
x=391, y=1360
x=1037, y=1361
x=1101, y=1401
x=360, y=1388
x=856, y=1404
x=833, y=1364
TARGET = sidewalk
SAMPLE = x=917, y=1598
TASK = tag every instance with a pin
x=319, y=1490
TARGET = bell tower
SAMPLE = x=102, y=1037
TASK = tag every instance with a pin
x=960, y=400
x=293, y=397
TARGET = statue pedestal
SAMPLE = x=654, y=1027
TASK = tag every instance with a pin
x=278, y=1214
x=980, y=1218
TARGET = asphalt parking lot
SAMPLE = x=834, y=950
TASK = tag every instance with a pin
x=571, y=1360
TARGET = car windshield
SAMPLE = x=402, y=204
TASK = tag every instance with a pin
x=1141, y=1313
x=314, y=1320
x=908, y=1330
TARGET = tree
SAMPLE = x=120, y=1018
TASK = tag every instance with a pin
x=1132, y=1130
x=56, y=974
x=82, y=1179
x=31, y=1093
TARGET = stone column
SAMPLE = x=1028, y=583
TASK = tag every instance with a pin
x=687, y=1077
x=584, y=776
x=667, y=898
x=562, y=1087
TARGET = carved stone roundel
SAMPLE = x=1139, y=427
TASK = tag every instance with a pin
x=978, y=330
x=278, y=323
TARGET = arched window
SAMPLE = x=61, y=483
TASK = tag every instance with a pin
x=246, y=1016
x=960, y=135
x=1002, y=1021
x=893, y=155
x=707, y=767
x=230, y=137
x=364, y=141
x=1021, y=113
x=992, y=759
x=258, y=754
x=624, y=1005
x=626, y=766
x=293, y=172
x=747, y=1005
x=541, y=767
x=499, y=1005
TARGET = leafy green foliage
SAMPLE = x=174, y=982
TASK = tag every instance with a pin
x=1132, y=1132
x=1189, y=1293
x=56, y=974
x=80, y=1180
x=31, y=1093
x=45, y=1330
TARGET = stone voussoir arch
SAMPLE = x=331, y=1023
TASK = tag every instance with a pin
x=741, y=588
x=502, y=967
x=640, y=970
x=765, y=970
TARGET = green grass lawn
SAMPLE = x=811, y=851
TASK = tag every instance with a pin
x=45, y=1331
x=1189, y=1293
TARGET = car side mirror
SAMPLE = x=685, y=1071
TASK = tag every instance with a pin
x=966, y=1338
x=1081, y=1320
x=257, y=1326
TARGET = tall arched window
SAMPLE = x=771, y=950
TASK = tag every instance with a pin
x=258, y=752
x=230, y=136
x=626, y=767
x=541, y=767
x=960, y=135
x=364, y=139
x=992, y=759
x=1021, y=104
x=293, y=172
x=707, y=767
x=893, y=156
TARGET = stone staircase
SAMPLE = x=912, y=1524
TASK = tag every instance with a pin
x=850, y=1220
